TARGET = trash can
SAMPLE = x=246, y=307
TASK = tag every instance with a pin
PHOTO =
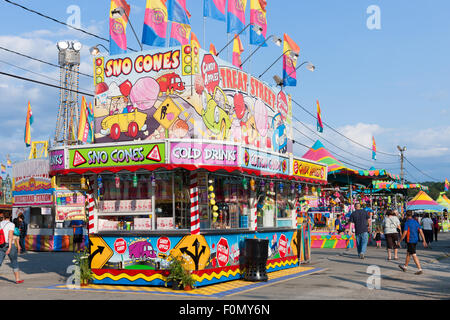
x=256, y=254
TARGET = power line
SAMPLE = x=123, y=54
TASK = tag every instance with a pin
x=355, y=142
x=44, y=84
x=333, y=143
x=421, y=170
x=36, y=73
x=61, y=22
x=42, y=61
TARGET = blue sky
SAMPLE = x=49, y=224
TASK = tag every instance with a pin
x=392, y=83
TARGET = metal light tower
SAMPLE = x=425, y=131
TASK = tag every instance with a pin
x=68, y=114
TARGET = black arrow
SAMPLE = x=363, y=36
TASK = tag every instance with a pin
x=195, y=257
x=98, y=251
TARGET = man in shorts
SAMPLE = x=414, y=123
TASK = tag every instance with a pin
x=411, y=232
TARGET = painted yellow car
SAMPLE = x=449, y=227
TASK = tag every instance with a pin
x=128, y=123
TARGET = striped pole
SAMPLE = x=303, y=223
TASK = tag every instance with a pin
x=90, y=209
x=195, y=218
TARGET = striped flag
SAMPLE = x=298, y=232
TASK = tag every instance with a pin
x=155, y=23
x=118, y=27
x=177, y=11
x=446, y=185
x=180, y=34
x=215, y=9
x=374, y=149
x=236, y=15
x=28, y=123
x=289, y=64
x=83, y=125
x=237, y=51
x=319, y=118
x=3, y=168
x=258, y=18
x=8, y=161
x=195, y=218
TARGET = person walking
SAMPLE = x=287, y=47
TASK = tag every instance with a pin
x=391, y=226
x=436, y=227
x=77, y=226
x=361, y=221
x=9, y=248
x=23, y=228
x=411, y=234
x=427, y=226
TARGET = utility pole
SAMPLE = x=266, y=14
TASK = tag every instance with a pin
x=402, y=158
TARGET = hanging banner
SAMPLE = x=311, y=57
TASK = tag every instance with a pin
x=306, y=169
x=57, y=160
x=204, y=154
x=130, y=155
x=263, y=161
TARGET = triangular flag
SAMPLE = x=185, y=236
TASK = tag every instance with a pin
x=154, y=154
x=78, y=159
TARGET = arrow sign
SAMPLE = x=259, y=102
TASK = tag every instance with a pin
x=100, y=252
x=195, y=256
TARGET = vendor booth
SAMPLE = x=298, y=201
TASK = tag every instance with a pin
x=187, y=165
x=37, y=197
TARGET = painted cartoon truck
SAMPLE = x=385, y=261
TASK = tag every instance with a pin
x=128, y=123
x=141, y=250
x=170, y=82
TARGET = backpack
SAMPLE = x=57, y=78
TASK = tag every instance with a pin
x=2, y=237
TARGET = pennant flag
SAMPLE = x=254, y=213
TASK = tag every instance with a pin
x=194, y=41
x=90, y=138
x=319, y=118
x=85, y=122
x=212, y=49
x=237, y=51
x=28, y=123
x=3, y=168
x=117, y=28
x=215, y=9
x=8, y=161
x=258, y=18
x=177, y=11
x=236, y=15
x=155, y=23
x=446, y=185
x=289, y=64
x=180, y=34
x=374, y=149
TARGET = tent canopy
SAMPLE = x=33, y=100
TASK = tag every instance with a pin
x=423, y=201
x=443, y=201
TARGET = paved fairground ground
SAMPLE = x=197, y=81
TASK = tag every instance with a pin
x=333, y=274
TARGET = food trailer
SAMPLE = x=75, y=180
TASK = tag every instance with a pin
x=211, y=165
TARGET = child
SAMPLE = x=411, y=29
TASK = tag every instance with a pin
x=378, y=237
x=411, y=232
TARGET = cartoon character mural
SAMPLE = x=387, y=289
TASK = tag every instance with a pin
x=147, y=96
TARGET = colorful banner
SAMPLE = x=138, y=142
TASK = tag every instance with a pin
x=28, y=123
x=306, y=169
x=214, y=9
x=85, y=125
x=180, y=34
x=117, y=156
x=117, y=27
x=258, y=18
x=264, y=162
x=289, y=63
x=237, y=51
x=446, y=185
x=236, y=15
x=319, y=118
x=374, y=149
x=177, y=11
x=204, y=154
x=155, y=23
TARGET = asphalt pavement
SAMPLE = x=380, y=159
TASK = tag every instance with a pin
x=344, y=277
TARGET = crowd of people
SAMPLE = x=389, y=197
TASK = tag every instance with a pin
x=394, y=228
